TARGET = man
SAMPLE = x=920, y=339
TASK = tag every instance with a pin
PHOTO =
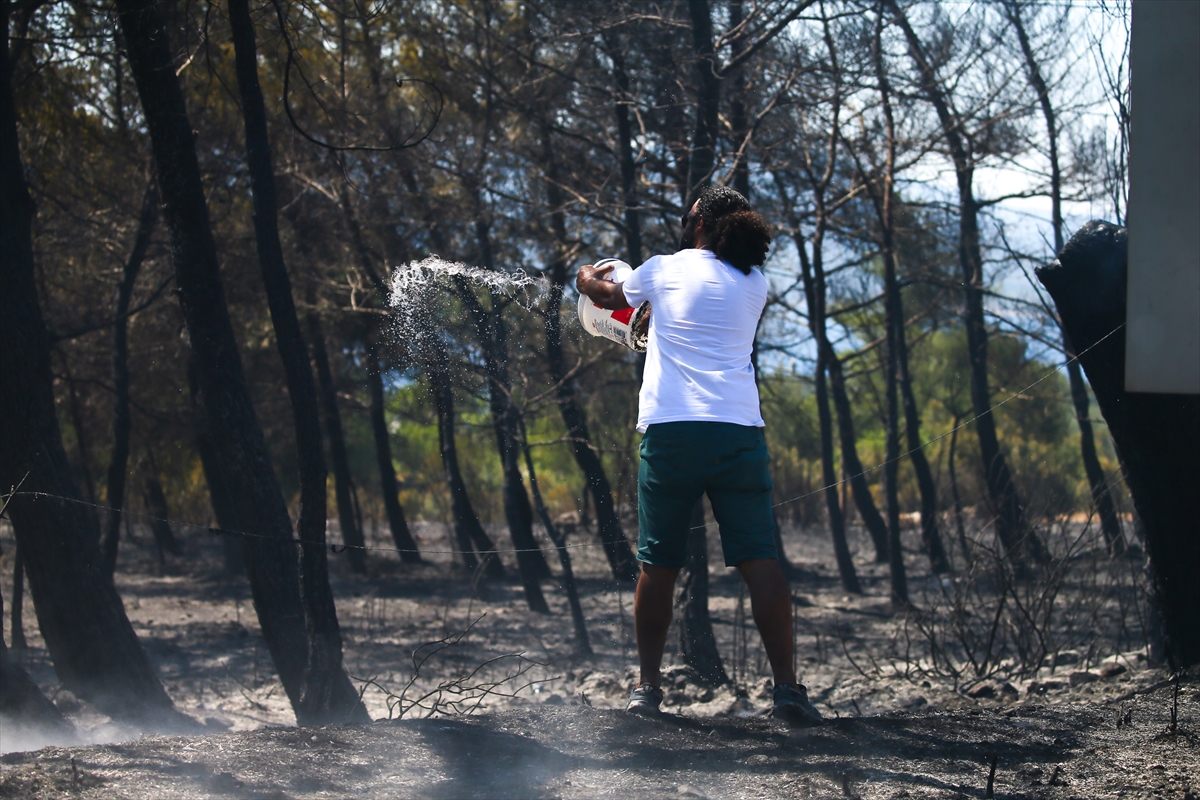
x=699, y=413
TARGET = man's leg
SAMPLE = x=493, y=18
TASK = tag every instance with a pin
x=771, y=604
x=652, y=618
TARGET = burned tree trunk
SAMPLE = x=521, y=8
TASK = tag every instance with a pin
x=1017, y=536
x=397, y=523
x=616, y=546
x=352, y=535
x=155, y=502
x=23, y=706
x=239, y=463
x=118, y=460
x=1157, y=436
x=95, y=651
x=17, y=625
x=468, y=532
x=327, y=695
x=697, y=644
x=851, y=463
x=583, y=647
x=1110, y=523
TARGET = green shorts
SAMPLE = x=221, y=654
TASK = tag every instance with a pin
x=682, y=461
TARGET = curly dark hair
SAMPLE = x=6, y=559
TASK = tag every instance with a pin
x=737, y=234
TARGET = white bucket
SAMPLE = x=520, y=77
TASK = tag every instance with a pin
x=628, y=326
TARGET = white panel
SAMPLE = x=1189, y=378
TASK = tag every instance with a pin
x=1163, y=307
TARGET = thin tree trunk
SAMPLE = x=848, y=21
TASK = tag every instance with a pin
x=629, y=199
x=837, y=524
x=352, y=535
x=958, y=508
x=1110, y=523
x=697, y=644
x=872, y=519
x=118, y=460
x=251, y=497
x=1018, y=538
x=327, y=695
x=616, y=547
x=468, y=531
x=155, y=502
x=583, y=647
x=18, y=600
x=388, y=486
x=738, y=124
x=703, y=156
x=95, y=651
x=492, y=332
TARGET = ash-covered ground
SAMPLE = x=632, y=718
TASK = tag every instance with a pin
x=1093, y=720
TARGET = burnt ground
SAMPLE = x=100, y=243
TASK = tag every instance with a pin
x=1093, y=721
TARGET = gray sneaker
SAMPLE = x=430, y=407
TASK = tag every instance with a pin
x=644, y=699
x=791, y=704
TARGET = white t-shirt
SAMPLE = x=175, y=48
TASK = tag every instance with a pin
x=703, y=317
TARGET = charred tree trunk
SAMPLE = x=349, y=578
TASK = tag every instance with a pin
x=616, y=547
x=352, y=535
x=18, y=601
x=233, y=548
x=815, y=297
x=468, y=531
x=327, y=695
x=251, y=497
x=401, y=536
x=872, y=519
x=95, y=651
x=583, y=646
x=697, y=644
x=118, y=460
x=703, y=156
x=491, y=330
x=738, y=124
x=629, y=199
x=155, y=502
x=1157, y=436
x=1110, y=523
x=22, y=704
x=1017, y=536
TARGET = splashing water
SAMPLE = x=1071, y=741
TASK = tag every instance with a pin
x=421, y=290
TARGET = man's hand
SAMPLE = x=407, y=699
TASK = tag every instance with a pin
x=606, y=294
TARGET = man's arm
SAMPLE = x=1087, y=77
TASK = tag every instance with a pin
x=606, y=294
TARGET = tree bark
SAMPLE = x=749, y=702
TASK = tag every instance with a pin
x=629, y=198
x=491, y=330
x=855, y=473
x=702, y=158
x=401, y=535
x=155, y=502
x=697, y=644
x=815, y=297
x=118, y=460
x=1157, y=436
x=17, y=626
x=1110, y=523
x=327, y=695
x=352, y=535
x=251, y=499
x=22, y=704
x=1018, y=538
x=95, y=651
x=616, y=547
x=583, y=647
x=468, y=531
